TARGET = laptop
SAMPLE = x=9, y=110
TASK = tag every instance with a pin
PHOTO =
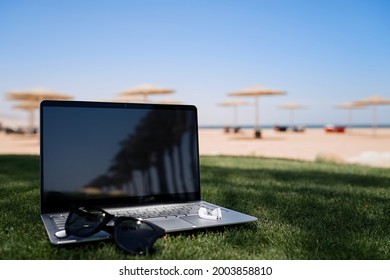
x=140, y=160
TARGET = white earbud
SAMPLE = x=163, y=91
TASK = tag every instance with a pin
x=60, y=234
x=216, y=214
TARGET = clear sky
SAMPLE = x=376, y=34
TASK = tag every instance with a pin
x=321, y=53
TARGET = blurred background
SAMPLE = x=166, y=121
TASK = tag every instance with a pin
x=318, y=53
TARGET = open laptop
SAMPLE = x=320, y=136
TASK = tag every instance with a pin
x=140, y=160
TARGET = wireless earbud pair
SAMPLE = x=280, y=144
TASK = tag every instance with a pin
x=216, y=214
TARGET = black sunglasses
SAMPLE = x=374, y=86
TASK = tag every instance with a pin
x=130, y=234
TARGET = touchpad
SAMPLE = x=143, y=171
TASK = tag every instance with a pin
x=172, y=224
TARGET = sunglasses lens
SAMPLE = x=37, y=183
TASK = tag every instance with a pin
x=135, y=236
x=84, y=222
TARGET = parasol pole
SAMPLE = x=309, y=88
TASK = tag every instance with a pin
x=257, y=127
x=374, y=122
x=235, y=116
x=32, y=120
x=350, y=119
x=292, y=117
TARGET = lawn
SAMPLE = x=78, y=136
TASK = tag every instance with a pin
x=306, y=211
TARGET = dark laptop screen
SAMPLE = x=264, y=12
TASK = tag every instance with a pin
x=116, y=154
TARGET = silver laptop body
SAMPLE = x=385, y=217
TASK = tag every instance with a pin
x=137, y=160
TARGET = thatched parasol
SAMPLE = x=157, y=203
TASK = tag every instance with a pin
x=349, y=106
x=234, y=104
x=292, y=107
x=256, y=92
x=373, y=101
x=31, y=98
x=37, y=94
x=146, y=90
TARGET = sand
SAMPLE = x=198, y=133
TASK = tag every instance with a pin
x=359, y=146
x=19, y=144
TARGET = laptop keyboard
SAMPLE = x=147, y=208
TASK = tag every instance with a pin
x=160, y=211
x=59, y=220
x=167, y=211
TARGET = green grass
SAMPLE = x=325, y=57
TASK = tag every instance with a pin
x=306, y=211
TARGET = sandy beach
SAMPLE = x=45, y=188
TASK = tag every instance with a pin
x=19, y=144
x=359, y=146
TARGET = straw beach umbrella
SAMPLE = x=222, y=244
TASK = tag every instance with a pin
x=146, y=90
x=292, y=107
x=234, y=104
x=128, y=99
x=256, y=92
x=31, y=98
x=374, y=101
x=30, y=107
x=37, y=95
x=350, y=106
x=167, y=101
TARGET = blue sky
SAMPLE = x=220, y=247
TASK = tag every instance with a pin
x=321, y=53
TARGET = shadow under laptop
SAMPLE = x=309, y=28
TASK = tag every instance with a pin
x=196, y=238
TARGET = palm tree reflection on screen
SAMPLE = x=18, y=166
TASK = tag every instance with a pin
x=160, y=154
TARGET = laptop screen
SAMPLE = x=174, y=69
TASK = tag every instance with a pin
x=117, y=154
